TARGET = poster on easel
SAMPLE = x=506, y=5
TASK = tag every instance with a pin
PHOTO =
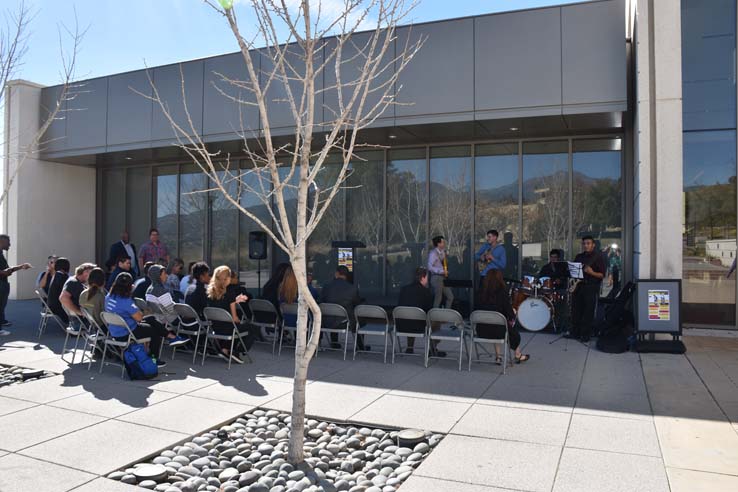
x=659, y=308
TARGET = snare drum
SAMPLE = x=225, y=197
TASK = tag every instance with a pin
x=546, y=283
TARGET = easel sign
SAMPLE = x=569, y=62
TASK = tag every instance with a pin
x=659, y=306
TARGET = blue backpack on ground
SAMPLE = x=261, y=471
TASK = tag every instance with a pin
x=139, y=364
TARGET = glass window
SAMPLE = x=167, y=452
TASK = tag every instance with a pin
x=709, y=227
x=365, y=220
x=496, y=198
x=545, y=202
x=322, y=259
x=406, y=216
x=166, y=206
x=598, y=202
x=251, y=187
x=708, y=64
x=138, y=204
x=224, y=222
x=193, y=202
x=289, y=194
x=114, y=212
x=450, y=207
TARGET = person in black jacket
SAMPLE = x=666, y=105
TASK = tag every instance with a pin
x=416, y=294
x=123, y=248
x=57, y=286
x=494, y=297
x=341, y=291
x=197, y=295
x=142, y=284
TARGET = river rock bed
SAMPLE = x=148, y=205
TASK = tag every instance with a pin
x=250, y=455
x=17, y=375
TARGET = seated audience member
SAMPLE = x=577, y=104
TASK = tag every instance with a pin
x=184, y=284
x=288, y=294
x=235, y=288
x=73, y=287
x=341, y=291
x=494, y=298
x=416, y=294
x=93, y=297
x=44, y=278
x=197, y=295
x=173, y=278
x=270, y=291
x=120, y=302
x=158, y=294
x=142, y=284
x=122, y=264
x=219, y=296
x=55, y=289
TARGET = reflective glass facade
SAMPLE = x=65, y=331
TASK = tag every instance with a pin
x=709, y=159
x=396, y=200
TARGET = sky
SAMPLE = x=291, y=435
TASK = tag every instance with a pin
x=125, y=35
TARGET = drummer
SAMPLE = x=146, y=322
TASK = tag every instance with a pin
x=555, y=269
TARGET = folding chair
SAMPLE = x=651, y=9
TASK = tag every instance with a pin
x=288, y=311
x=451, y=330
x=379, y=326
x=141, y=304
x=493, y=318
x=264, y=315
x=81, y=331
x=213, y=314
x=189, y=324
x=97, y=336
x=334, y=319
x=46, y=314
x=412, y=315
x=118, y=346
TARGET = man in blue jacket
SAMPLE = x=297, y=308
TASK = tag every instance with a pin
x=491, y=256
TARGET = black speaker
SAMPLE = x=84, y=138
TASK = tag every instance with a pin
x=257, y=245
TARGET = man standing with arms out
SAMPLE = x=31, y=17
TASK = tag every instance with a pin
x=152, y=250
x=5, y=272
x=437, y=266
x=491, y=256
x=584, y=300
x=123, y=248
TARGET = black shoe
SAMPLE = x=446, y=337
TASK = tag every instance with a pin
x=409, y=351
x=438, y=353
x=160, y=364
x=6, y=323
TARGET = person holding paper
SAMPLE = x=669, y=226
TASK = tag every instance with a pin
x=584, y=300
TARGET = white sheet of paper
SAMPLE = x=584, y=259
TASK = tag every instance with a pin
x=575, y=269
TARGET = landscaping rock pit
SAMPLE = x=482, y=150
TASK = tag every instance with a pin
x=250, y=455
x=17, y=375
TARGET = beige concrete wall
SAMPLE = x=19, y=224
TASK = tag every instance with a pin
x=50, y=207
x=658, y=125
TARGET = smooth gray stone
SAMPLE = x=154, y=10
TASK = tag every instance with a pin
x=258, y=487
x=421, y=448
x=249, y=477
x=342, y=485
x=302, y=484
x=116, y=475
x=379, y=480
x=315, y=433
x=147, y=484
x=388, y=488
x=374, y=489
x=128, y=478
x=296, y=475
x=353, y=443
x=277, y=488
x=228, y=474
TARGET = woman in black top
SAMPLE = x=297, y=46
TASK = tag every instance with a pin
x=221, y=297
x=494, y=298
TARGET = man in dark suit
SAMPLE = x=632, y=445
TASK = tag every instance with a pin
x=341, y=291
x=416, y=294
x=120, y=249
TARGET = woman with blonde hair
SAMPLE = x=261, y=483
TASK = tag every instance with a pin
x=220, y=296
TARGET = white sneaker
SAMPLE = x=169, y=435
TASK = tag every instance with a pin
x=4, y=333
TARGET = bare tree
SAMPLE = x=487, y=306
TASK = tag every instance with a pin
x=14, y=39
x=362, y=70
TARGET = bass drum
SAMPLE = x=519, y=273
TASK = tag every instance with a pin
x=534, y=313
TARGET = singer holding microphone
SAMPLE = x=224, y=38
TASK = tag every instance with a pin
x=438, y=268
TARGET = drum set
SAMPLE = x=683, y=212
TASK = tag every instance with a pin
x=535, y=301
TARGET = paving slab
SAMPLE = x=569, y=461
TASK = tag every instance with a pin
x=449, y=384
x=492, y=463
x=249, y=391
x=374, y=375
x=514, y=424
x=38, y=424
x=695, y=481
x=416, y=413
x=329, y=401
x=23, y=474
x=606, y=403
x=186, y=414
x=10, y=405
x=113, y=401
x=106, y=485
x=425, y=484
x=105, y=447
x=613, y=434
x=583, y=470
x=510, y=394
x=179, y=383
x=44, y=390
